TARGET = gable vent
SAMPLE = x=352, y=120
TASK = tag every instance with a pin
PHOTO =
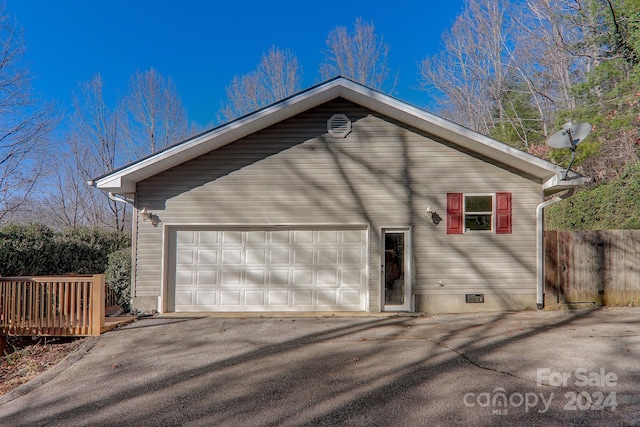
x=339, y=126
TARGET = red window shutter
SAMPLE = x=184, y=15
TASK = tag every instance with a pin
x=503, y=213
x=454, y=213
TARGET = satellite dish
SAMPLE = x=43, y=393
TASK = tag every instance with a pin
x=569, y=137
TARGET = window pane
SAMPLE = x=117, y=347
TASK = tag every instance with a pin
x=477, y=222
x=478, y=203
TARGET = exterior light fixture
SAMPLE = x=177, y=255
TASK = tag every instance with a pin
x=432, y=215
x=146, y=215
x=429, y=213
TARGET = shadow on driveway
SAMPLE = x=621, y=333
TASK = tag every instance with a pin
x=443, y=370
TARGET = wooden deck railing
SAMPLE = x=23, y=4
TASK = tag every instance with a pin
x=52, y=305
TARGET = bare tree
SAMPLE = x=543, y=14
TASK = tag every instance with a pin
x=276, y=77
x=24, y=124
x=148, y=117
x=548, y=33
x=469, y=74
x=503, y=69
x=155, y=115
x=96, y=147
x=358, y=55
x=66, y=201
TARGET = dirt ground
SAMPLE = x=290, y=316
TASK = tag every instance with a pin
x=27, y=357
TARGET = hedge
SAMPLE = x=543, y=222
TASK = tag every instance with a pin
x=118, y=276
x=35, y=250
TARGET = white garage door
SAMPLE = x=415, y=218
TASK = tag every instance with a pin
x=269, y=270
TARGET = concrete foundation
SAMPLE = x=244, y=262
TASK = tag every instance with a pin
x=430, y=304
x=439, y=304
x=144, y=303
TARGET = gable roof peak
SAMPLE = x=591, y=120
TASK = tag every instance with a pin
x=123, y=180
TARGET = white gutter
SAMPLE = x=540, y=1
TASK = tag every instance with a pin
x=540, y=243
x=120, y=199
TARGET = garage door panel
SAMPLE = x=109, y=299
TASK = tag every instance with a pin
x=185, y=257
x=207, y=277
x=351, y=256
x=231, y=256
x=351, y=278
x=302, y=298
x=280, y=297
x=231, y=277
x=207, y=257
x=185, y=277
x=232, y=237
x=327, y=256
x=303, y=256
x=207, y=237
x=350, y=297
x=327, y=298
x=303, y=236
x=327, y=278
x=352, y=236
x=232, y=298
x=279, y=256
x=256, y=237
x=206, y=298
x=254, y=298
x=255, y=277
x=330, y=237
x=279, y=278
x=184, y=298
x=262, y=270
x=186, y=237
x=256, y=256
x=280, y=236
x=302, y=277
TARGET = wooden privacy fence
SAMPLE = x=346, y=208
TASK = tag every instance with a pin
x=53, y=305
x=598, y=267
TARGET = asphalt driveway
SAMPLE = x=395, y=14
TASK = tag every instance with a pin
x=533, y=368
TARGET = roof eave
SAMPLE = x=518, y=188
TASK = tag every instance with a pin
x=559, y=183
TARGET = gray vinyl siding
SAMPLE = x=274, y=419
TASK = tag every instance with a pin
x=382, y=174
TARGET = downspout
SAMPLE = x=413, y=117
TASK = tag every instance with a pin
x=540, y=243
x=134, y=227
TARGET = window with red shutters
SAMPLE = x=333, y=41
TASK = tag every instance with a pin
x=476, y=219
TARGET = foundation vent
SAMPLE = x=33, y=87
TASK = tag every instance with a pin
x=339, y=126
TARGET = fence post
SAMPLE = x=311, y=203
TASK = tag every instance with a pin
x=97, y=304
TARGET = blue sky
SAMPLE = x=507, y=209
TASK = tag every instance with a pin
x=203, y=44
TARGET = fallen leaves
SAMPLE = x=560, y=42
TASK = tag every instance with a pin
x=27, y=357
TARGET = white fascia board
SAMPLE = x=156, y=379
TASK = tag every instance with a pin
x=557, y=184
x=117, y=184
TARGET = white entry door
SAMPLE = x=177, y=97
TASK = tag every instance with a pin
x=396, y=269
x=283, y=269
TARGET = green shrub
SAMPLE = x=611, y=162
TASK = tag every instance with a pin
x=118, y=276
x=608, y=206
x=32, y=250
x=86, y=250
x=27, y=250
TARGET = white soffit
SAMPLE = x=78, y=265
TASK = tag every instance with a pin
x=124, y=179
